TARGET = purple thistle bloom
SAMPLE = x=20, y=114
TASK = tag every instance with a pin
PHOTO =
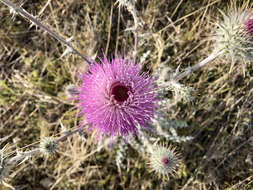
x=115, y=97
x=249, y=26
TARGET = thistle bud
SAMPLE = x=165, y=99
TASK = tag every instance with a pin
x=164, y=160
x=48, y=145
x=234, y=35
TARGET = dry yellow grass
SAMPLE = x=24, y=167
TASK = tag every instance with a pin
x=34, y=74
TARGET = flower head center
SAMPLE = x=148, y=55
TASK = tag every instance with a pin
x=165, y=161
x=119, y=91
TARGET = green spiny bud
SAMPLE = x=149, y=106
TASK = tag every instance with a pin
x=164, y=160
x=48, y=145
x=233, y=35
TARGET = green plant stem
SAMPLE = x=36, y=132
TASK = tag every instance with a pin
x=36, y=151
x=201, y=64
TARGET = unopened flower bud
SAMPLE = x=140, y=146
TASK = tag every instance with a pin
x=48, y=145
x=234, y=35
x=164, y=160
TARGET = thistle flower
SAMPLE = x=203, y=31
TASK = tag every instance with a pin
x=234, y=35
x=115, y=97
x=164, y=160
